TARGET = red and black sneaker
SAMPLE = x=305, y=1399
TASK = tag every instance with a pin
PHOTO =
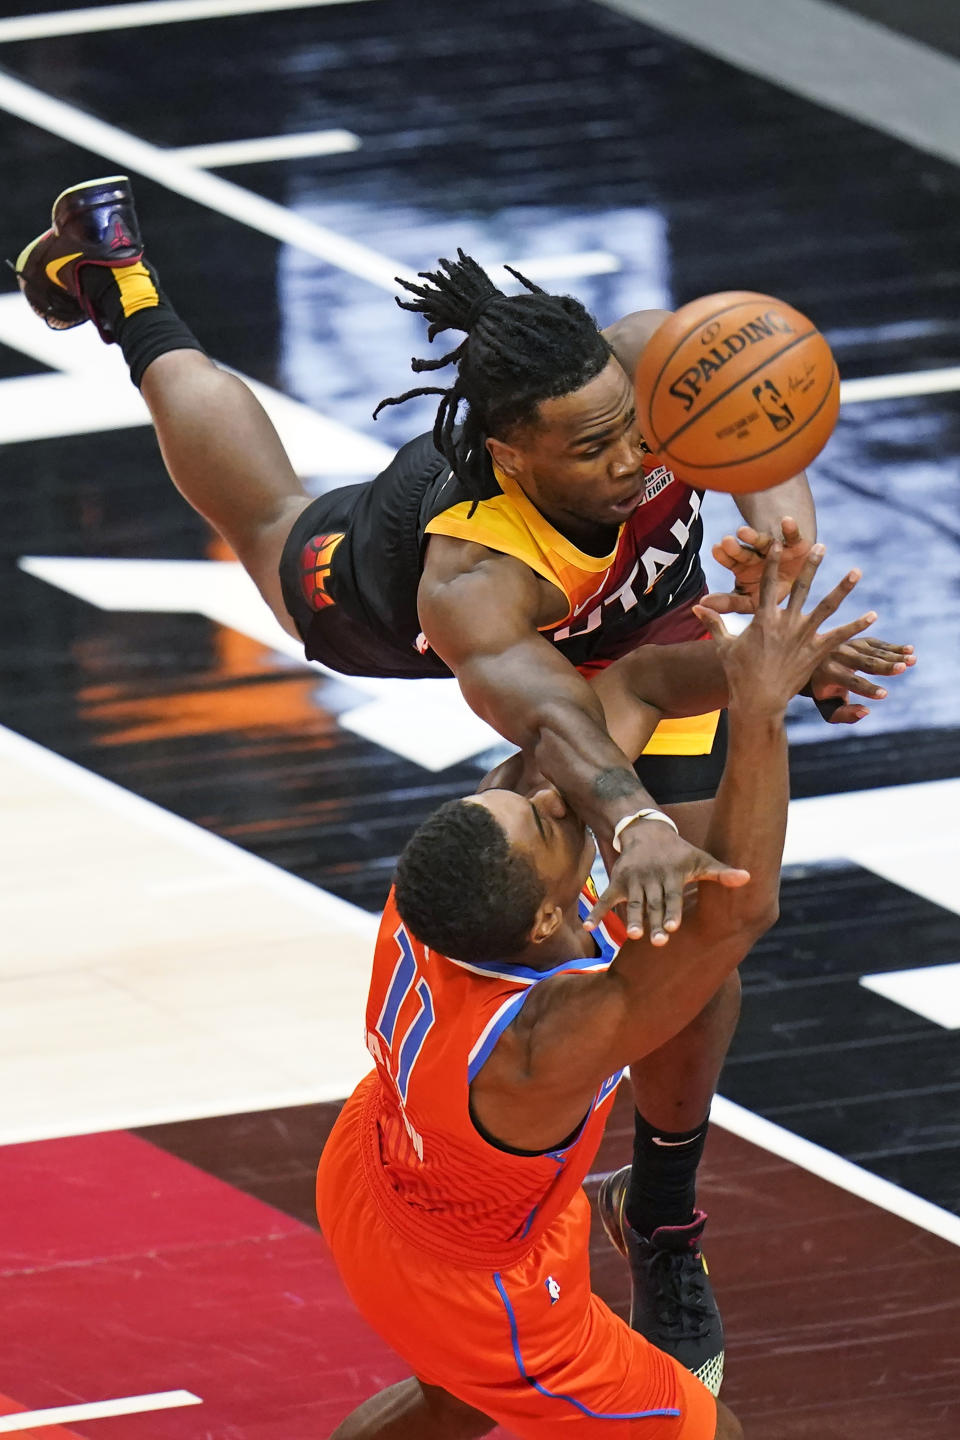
x=93, y=223
x=672, y=1303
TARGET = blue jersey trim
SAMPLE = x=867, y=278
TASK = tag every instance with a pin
x=608, y=947
x=507, y=1018
x=552, y=1395
x=503, y=970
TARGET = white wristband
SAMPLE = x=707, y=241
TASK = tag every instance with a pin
x=621, y=825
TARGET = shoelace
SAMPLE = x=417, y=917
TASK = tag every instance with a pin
x=681, y=1307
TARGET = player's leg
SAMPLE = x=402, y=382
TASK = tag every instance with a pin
x=649, y=1207
x=219, y=446
x=414, y=1411
x=728, y=1426
x=226, y=459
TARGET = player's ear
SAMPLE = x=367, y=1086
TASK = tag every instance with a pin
x=548, y=920
x=506, y=457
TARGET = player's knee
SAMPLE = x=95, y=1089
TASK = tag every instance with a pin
x=728, y=1426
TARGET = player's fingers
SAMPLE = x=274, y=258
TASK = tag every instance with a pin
x=880, y=665
x=848, y=714
x=605, y=902
x=672, y=907
x=756, y=540
x=833, y=639
x=634, y=916
x=729, y=602
x=843, y=680
x=768, y=581
x=712, y=621
x=726, y=875
x=801, y=586
x=833, y=601
x=655, y=914
x=860, y=685
x=872, y=644
x=790, y=530
x=874, y=656
x=708, y=867
x=731, y=553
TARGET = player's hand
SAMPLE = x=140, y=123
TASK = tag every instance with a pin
x=833, y=682
x=772, y=658
x=649, y=876
x=743, y=555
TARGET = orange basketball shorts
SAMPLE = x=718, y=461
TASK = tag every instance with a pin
x=528, y=1345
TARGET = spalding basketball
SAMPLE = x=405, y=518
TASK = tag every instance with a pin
x=737, y=392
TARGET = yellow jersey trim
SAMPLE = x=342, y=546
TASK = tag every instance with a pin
x=691, y=735
x=512, y=525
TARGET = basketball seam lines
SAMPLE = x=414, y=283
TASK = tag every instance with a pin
x=730, y=388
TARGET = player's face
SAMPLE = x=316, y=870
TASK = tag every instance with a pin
x=553, y=838
x=583, y=462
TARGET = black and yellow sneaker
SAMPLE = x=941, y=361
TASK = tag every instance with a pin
x=93, y=223
x=672, y=1303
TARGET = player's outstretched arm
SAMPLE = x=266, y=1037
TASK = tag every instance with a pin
x=575, y=1030
x=482, y=619
x=687, y=679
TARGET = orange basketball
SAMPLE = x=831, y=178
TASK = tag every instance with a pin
x=737, y=392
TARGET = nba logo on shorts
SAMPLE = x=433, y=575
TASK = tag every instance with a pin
x=553, y=1289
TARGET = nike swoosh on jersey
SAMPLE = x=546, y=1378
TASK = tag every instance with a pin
x=584, y=603
x=54, y=267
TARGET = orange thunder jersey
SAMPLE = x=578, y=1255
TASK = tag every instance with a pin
x=431, y=1024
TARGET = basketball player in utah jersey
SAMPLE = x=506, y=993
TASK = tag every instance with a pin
x=521, y=551
x=450, y=1189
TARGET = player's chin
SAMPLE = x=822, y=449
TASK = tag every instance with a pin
x=587, y=858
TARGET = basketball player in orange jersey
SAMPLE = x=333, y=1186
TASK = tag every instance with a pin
x=449, y=1190
x=521, y=552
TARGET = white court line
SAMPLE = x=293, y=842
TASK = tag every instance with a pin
x=166, y=168
x=126, y=17
x=97, y=1410
x=830, y=1167
x=897, y=387
x=932, y=991
x=842, y=1173
x=271, y=147
x=204, y=842
x=559, y=267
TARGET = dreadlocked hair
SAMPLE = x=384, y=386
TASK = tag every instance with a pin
x=463, y=890
x=519, y=350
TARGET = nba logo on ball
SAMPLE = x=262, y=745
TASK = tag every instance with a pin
x=737, y=392
x=553, y=1289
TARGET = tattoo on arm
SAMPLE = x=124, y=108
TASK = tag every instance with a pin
x=615, y=785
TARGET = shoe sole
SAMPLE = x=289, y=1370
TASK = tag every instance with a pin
x=27, y=251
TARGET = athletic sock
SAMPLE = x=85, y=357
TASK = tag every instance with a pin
x=663, y=1177
x=129, y=305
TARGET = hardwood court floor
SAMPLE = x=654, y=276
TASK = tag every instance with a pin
x=127, y=1270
